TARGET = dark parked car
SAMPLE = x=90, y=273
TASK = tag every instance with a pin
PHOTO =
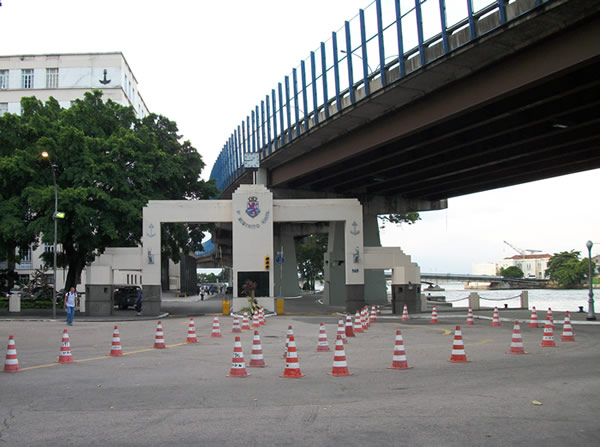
x=125, y=296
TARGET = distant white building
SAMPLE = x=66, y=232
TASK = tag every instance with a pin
x=66, y=77
x=533, y=266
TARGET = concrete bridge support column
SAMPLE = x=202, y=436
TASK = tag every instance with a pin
x=334, y=267
x=99, y=291
x=375, y=287
x=286, y=274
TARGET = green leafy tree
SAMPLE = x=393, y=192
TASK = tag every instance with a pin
x=407, y=218
x=567, y=269
x=309, y=254
x=108, y=164
x=206, y=278
x=511, y=272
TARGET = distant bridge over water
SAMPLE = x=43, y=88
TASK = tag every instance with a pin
x=495, y=281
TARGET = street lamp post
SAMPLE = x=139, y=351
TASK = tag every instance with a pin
x=591, y=313
x=47, y=157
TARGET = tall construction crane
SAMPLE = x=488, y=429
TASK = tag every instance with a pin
x=521, y=251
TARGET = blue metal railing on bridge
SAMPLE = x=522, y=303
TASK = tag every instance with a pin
x=307, y=99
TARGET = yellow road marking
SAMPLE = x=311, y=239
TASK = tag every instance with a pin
x=481, y=342
x=99, y=358
x=445, y=331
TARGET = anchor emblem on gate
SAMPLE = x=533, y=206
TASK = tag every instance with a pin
x=354, y=230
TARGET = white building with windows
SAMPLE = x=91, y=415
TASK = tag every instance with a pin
x=66, y=77
x=533, y=266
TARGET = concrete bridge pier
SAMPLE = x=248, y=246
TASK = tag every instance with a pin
x=375, y=287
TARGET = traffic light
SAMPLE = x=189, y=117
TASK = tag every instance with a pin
x=267, y=262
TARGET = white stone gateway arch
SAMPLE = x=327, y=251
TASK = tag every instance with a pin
x=252, y=212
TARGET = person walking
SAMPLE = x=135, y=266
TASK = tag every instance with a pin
x=138, y=303
x=70, y=304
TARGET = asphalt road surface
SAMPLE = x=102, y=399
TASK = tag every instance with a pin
x=181, y=396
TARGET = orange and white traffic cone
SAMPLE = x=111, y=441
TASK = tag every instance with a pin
x=496, y=317
x=322, y=344
x=255, y=320
x=236, y=326
x=373, y=317
x=378, y=310
x=261, y=316
x=458, y=348
x=65, y=349
x=115, y=349
x=216, y=328
x=516, y=344
x=364, y=318
x=290, y=332
x=567, y=334
x=349, y=328
x=292, y=365
x=548, y=337
x=191, y=335
x=434, y=318
x=159, y=337
x=470, y=321
x=358, y=329
x=340, y=365
x=341, y=331
x=256, y=358
x=238, y=366
x=534, y=321
x=405, y=314
x=11, y=363
x=549, y=318
x=245, y=322
x=399, y=358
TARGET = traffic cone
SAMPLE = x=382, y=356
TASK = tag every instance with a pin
x=399, y=358
x=365, y=318
x=11, y=363
x=238, y=366
x=549, y=318
x=65, y=349
x=245, y=322
x=378, y=310
x=292, y=366
x=341, y=331
x=548, y=337
x=340, y=365
x=191, y=336
x=470, y=321
x=373, y=317
x=567, y=334
x=159, y=337
x=349, y=329
x=358, y=329
x=496, y=317
x=255, y=320
x=115, y=350
x=236, y=326
x=458, y=348
x=534, y=321
x=256, y=358
x=322, y=345
x=290, y=332
x=261, y=316
x=405, y=314
x=516, y=345
x=216, y=328
x=434, y=318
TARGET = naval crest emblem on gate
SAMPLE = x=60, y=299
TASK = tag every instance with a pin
x=252, y=208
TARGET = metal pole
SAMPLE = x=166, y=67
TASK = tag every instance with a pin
x=281, y=272
x=55, y=231
x=591, y=313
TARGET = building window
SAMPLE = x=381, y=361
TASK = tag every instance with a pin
x=3, y=79
x=27, y=78
x=48, y=248
x=52, y=78
x=3, y=108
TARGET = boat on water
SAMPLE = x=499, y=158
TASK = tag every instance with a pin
x=434, y=288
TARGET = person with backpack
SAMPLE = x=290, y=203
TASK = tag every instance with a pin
x=70, y=304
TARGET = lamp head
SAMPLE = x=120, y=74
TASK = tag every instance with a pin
x=45, y=154
x=589, y=245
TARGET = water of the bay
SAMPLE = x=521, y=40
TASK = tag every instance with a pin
x=557, y=299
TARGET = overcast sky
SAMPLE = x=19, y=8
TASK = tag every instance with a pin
x=206, y=64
